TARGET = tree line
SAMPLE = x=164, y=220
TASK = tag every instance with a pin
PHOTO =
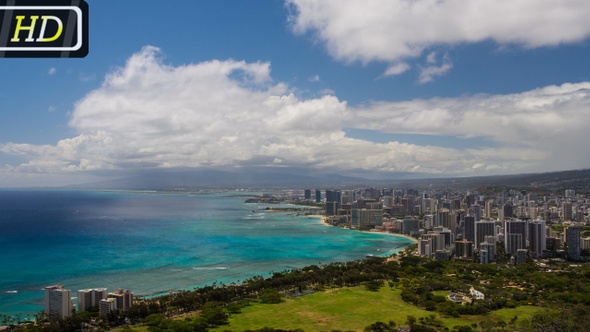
x=559, y=287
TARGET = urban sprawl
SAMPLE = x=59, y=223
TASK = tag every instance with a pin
x=513, y=225
x=510, y=227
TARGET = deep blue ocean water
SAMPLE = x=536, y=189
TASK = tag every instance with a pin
x=154, y=242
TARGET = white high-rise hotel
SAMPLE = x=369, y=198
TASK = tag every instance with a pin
x=58, y=301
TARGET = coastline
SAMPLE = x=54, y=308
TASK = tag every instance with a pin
x=170, y=269
x=324, y=221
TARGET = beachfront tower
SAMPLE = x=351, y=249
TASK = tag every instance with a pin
x=105, y=306
x=90, y=298
x=58, y=301
x=124, y=299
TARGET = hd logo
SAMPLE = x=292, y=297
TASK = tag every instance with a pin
x=42, y=29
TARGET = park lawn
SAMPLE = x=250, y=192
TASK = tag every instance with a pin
x=522, y=312
x=348, y=309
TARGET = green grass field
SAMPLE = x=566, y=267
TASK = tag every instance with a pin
x=348, y=309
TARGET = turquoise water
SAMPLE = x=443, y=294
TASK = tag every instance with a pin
x=154, y=242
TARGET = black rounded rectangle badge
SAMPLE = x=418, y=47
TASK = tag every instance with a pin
x=43, y=29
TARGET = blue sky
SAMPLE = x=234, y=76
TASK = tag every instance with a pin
x=448, y=88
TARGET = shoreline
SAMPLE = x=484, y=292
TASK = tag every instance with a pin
x=324, y=221
x=169, y=285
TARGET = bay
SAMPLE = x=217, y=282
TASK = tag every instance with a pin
x=151, y=242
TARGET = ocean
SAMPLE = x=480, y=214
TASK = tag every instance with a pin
x=153, y=243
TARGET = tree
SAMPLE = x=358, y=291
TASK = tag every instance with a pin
x=213, y=314
x=374, y=285
x=234, y=308
x=154, y=319
x=271, y=296
x=381, y=327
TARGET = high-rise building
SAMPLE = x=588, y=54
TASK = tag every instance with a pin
x=124, y=299
x=537, y=237
x=407, y=204
x=318, y=196
x=514, y=235
x=553, y=243
x=424, y=247
x=505, y=212
x=436, y=241
x=489, y=249
x=442, y=255
x=574, y=243
x=443, y=218
x=455, y=219
x=488, y=209
x=307, y=194
x=410, y=226
x=447, y=237
x=469, y=226
x=484, y=258
x=477, y=213
x=364, y=218
x=492, y=240
x=345, y=199
x=533, y=212
x=387, y=202
x=469, y=199
x=483, y=229
x=90, y=298
x=521, y=256
x=566, y=211
x=464, y=249
x=332, y=208
x=58, y=301
x=333, y=196
x=105, y=306
x=429, y=205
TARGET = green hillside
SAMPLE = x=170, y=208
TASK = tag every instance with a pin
x=350, y=309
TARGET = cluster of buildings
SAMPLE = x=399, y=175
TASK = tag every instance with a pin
x=466, y=225
x=58, y=300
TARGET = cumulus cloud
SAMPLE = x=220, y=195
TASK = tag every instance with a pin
x=148, y=115
x=549, y=123
x=396, y=69
x=52, y=71
x=433, y=68
x=394, y=31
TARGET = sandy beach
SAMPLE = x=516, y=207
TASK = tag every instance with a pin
x=324, y=220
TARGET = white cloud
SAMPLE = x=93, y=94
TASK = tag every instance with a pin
x=327, y=92
x=549, y=123
x=432, y=69
x=52, y=71
x=396, y=69
x=431, y=58
x=395, y=31
x=315, y=78
x=148, y=114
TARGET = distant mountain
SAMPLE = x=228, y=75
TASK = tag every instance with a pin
x=578, y=180
x=266, y=177
x=223, y=179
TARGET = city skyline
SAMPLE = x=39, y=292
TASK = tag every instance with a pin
x=424, y=87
